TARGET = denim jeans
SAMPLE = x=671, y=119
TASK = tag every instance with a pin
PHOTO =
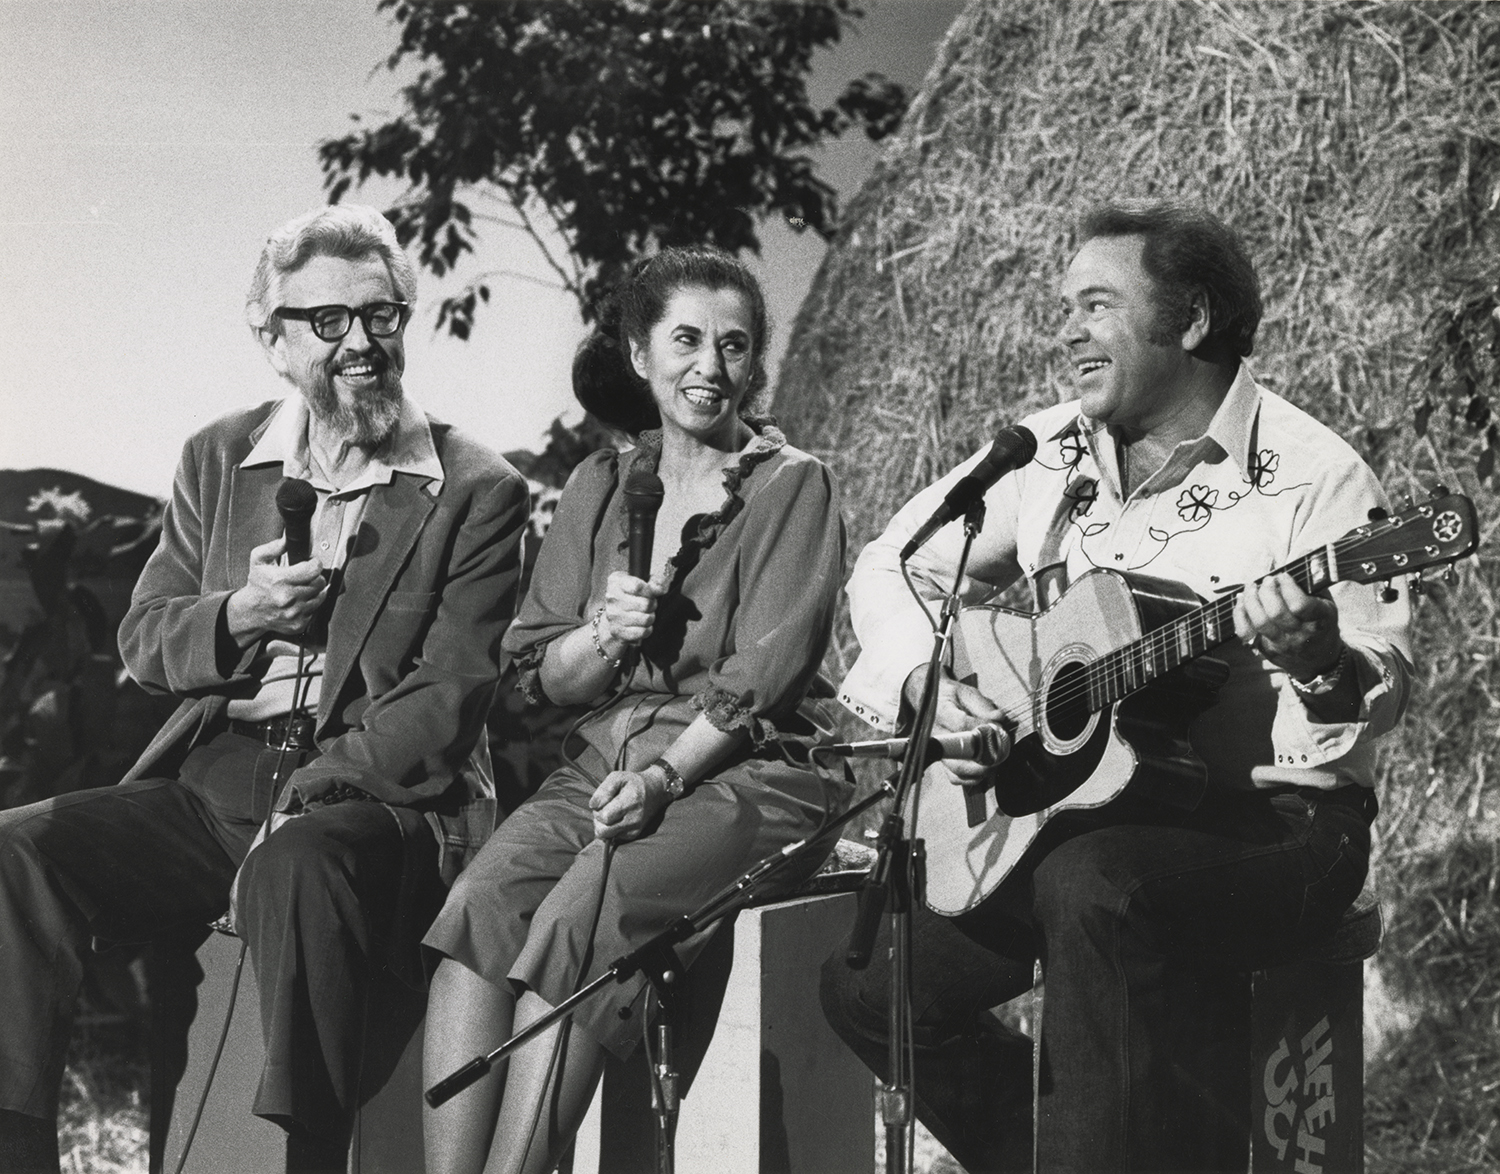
x=1147, y=927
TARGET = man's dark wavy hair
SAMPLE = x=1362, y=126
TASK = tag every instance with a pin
x=1187, y=249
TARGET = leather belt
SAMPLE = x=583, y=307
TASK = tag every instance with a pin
x=294, y=733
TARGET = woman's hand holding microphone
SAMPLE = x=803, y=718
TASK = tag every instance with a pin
x=626, y=617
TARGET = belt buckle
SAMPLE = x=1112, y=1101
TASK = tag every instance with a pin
x=293, y=730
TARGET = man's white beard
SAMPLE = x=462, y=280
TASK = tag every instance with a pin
x=370, y=420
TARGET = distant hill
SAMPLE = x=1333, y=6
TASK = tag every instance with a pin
x=19, y=486
x=109, y=554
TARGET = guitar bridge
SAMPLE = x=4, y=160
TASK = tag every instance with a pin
x=975, y=809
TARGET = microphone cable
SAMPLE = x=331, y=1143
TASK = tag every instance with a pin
x=301, y=686
x=554, y=1064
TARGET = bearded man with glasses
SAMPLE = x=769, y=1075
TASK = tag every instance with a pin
x=325, y=775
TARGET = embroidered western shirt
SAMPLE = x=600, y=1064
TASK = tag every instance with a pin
x=1265, y=484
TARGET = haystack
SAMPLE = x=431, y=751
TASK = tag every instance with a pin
x=1357, y=147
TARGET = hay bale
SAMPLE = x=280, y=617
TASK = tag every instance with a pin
x=1356, y=146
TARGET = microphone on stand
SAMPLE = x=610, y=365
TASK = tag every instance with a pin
x=643, y=494
x=1011, y=448
x=987, y=745
x=295, y=502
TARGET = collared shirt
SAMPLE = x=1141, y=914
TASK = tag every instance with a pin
x=1265, y=484
x=335, y=522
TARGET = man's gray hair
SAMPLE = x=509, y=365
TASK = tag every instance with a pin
x=351, y=232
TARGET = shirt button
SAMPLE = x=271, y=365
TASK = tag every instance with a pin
x=323, y=545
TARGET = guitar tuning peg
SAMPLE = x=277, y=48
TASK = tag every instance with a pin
x=1439, y=491
x=1406, y=501
x=1415, y=585
x=1377, y=514
x=1449, y=574
x=1389, y=594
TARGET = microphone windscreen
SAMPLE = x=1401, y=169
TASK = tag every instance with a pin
x=1012, y=448
x=643, y=494
x=643, y=491
x=295, y=502
x=296, y=496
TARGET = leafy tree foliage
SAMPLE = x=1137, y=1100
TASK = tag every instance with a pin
x=1463, y=365
x=620, y=125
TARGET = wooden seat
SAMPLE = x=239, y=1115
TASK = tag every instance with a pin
x=1275, y=1069
x=767, y=1084
x=1307, y=1053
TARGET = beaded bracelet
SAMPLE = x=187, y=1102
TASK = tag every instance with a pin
x=613, y=661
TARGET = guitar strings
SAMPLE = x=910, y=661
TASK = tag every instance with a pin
x=1119, y=666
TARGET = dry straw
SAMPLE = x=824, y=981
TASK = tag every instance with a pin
x=1357, y=147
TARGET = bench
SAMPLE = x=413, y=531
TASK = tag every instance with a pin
x=769, y=1088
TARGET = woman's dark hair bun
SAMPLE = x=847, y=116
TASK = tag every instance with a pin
x=606, y=385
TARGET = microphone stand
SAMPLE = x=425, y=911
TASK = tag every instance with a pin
x=658, y=960
x=897, y=878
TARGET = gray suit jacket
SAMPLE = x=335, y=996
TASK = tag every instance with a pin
x=413, y=640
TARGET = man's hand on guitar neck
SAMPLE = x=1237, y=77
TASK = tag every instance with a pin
x=960, y=708
x=1299, y=634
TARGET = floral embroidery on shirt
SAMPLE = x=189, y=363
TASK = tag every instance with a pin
x=1263, y=468
x=1070, y=452
x=1197, y=503
x=1083, y=493
x=1072, y=449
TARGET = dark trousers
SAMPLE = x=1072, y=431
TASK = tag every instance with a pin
x=1146, y=929
x=154, y=859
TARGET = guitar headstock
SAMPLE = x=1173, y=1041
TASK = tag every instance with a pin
x=1441, y=530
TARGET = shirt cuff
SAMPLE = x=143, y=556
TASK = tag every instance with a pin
x=872, y=690
x=1301, y=742
x=725, y=713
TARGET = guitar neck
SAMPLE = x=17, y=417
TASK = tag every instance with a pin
x=1116, y=675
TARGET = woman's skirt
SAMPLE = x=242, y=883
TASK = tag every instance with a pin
x=540, y=910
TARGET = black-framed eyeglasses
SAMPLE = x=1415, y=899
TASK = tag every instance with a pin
x=331, y=323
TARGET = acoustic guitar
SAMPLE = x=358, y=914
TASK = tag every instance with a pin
x=1099, y=691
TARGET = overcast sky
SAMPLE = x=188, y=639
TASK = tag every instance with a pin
x=150, y=145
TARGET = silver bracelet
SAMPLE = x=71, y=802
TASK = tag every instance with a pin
x=614, y=662
x=1323, y=682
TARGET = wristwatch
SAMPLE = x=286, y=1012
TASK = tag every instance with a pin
x=1324, y=682
x=676, y=784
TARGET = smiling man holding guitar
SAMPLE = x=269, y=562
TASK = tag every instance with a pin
x=1167, y=820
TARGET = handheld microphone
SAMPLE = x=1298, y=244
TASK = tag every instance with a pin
x=295, y=502
x=643, y=494
x=987, y=745
x=1011, y=448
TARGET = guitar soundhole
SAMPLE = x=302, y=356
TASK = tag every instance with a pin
x=1068, y=702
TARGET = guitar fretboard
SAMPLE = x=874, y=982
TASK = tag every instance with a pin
x=1117, y=674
